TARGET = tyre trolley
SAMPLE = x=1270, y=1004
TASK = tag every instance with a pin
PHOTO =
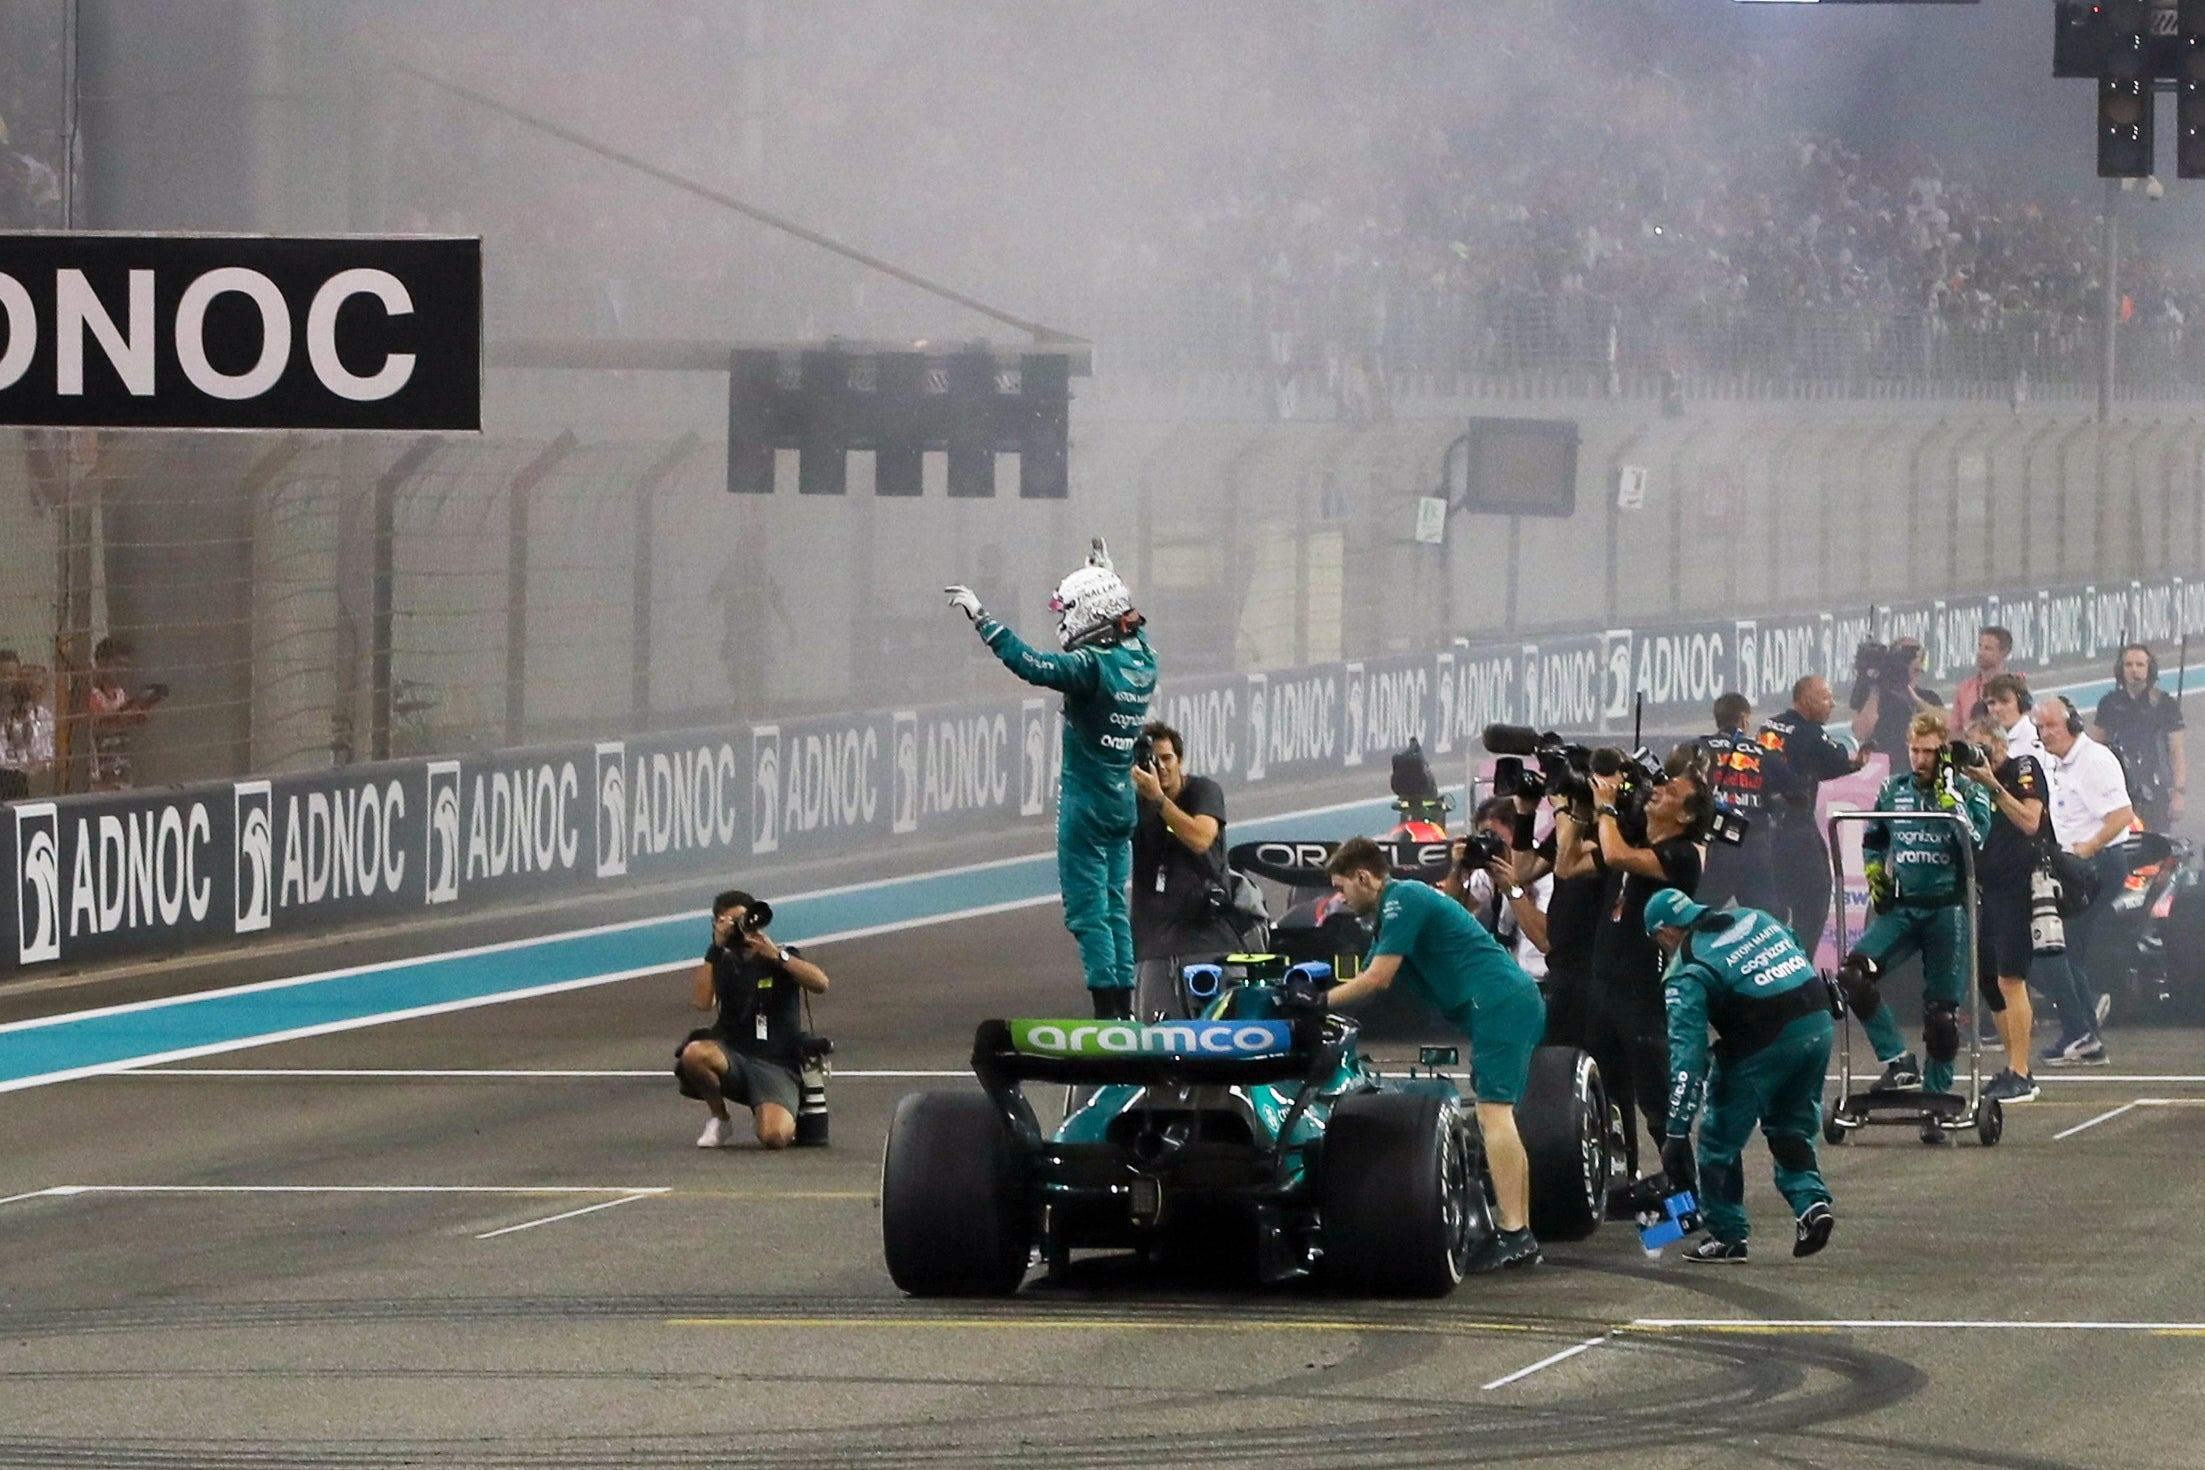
x=1934, y=1114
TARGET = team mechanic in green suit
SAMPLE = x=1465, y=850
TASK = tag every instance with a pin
x=1914, y=884
x=1742, y=972
x=1106, y=674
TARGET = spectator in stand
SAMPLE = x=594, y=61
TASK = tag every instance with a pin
x=26, y=727
x=2143, y=725
x=1993, y=646
x=117, y=714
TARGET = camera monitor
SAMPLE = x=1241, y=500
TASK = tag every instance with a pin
x=1520, y=467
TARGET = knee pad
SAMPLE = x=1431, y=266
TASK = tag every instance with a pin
x=1941, y=1030
x=1112, y=1004
x=1792, y=1153
x=1856, y=980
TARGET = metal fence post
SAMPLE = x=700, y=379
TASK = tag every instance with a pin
x=517, y=496
x=403, y=469
x=646, y=538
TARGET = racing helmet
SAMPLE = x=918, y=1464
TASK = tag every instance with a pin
x=1093, y=603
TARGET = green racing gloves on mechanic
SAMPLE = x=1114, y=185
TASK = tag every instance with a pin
x=1106, y=674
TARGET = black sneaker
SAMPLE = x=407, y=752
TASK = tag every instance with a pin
x=1815, y=1224
x=2010, y=1086
x=1710, y=1251
x=1901, y=1071
x=1507, y=1249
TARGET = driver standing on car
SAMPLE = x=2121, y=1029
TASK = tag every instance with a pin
x=1431, y=942
x=1740, y=971
x=1106, y=674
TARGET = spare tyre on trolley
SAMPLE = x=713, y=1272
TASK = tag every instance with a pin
x=955, y=1219
x=1563, y=1121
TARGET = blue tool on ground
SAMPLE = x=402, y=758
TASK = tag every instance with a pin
x=1673, y=1219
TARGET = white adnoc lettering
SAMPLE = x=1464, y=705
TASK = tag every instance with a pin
x=1393, y=708
x=1303, y=720
x=130, y=348
x=2109, y=617
x=828, y=779
x=1681, y=668
x=1562, y=687
x=1485, y=692
x=523, y=821
x=2066, y=617
x=2192, y=602
x=1957, y=623
x=2155, y=613
x=343, y=843
x=965, y=764
x=683, y=800
x=1208, y=719
x=141, y=870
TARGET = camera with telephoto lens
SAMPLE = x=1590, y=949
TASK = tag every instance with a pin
x=1512, y=778
x=1883, y=666
x=1144, y=751
x=1966, y=754
x=754, y=918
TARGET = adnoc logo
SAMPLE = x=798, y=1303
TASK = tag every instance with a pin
x=443, y=864
x=255, y=871
x=765, y=783
x=1170, y=1039
x=612, y=808
x=38, y=876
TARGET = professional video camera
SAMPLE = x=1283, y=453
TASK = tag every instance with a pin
x=1567, y=769
x=1883, y=666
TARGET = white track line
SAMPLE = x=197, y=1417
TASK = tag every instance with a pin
x=33, y=1194
x=2105, y=1117
x=539, y=1189
x=1871, y=1324
x=1546, y=1362
x=626, y=1199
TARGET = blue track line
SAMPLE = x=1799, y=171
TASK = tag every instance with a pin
x=56, y=1048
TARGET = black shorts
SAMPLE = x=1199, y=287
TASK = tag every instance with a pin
x=748, y=1081
x=2002, y=942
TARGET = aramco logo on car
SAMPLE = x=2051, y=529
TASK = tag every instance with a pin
x=1171, y=1039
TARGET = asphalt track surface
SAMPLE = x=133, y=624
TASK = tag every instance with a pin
x=279, y=1257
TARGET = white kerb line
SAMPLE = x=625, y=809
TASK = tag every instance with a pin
x=626, y=1199
x=1546, y=1362
x=491, y=1073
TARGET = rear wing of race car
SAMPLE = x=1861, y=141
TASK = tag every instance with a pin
x=1233, y=1053
x=1301, y=864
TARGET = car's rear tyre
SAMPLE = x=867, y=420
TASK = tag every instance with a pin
x=953, y=1209
x=1403, y=1207
x=1563, y=1121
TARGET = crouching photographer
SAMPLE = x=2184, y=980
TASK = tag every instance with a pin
x=755, y=1049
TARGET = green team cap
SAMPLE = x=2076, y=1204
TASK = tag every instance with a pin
x=1671, y=909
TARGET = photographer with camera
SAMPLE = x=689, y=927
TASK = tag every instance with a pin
x=1106, y=675
x=1433, y=945
x=1738, y=871
x=2091, y=815
x=2143, y=725
x=1738, y=971
x=1500, y=885
x=1915, y=887
x=752, y=1052
x=1651, y=825
x=2004, y=946
x=1888, y=694
x=1179, y=880
x=1801, y=756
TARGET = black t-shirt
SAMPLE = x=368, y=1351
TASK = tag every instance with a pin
x=1624, y=948
x=2138, y=730
x=761, y=1009
x=1895, y=713
x=1171, y=907
x=1801, y=756
x=2009, y=855
x=1573, y=918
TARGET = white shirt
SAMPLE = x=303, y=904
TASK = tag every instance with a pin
x=2087, y=787
x=2023, y=739
x=1520, y=948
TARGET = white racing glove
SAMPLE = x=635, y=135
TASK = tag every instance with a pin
x=966, y=601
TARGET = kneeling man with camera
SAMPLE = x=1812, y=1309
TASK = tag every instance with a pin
x=1446, y=956
x=752, y=1052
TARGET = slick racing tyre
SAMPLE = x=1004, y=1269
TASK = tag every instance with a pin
x=1563, y=1122
x=1402, y=1206
x=953, y=1211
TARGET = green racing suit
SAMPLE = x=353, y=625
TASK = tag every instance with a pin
x=1106, y=688
x=1914, y=878
x=1741, y=971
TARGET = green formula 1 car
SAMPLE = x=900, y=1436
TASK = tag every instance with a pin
x=1258, y=1123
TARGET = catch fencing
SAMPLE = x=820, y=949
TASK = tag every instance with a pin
x=311, y=603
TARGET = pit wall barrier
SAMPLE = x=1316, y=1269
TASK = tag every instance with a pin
x=95, y=878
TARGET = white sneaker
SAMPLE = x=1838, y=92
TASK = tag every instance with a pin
x=718, y=1133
